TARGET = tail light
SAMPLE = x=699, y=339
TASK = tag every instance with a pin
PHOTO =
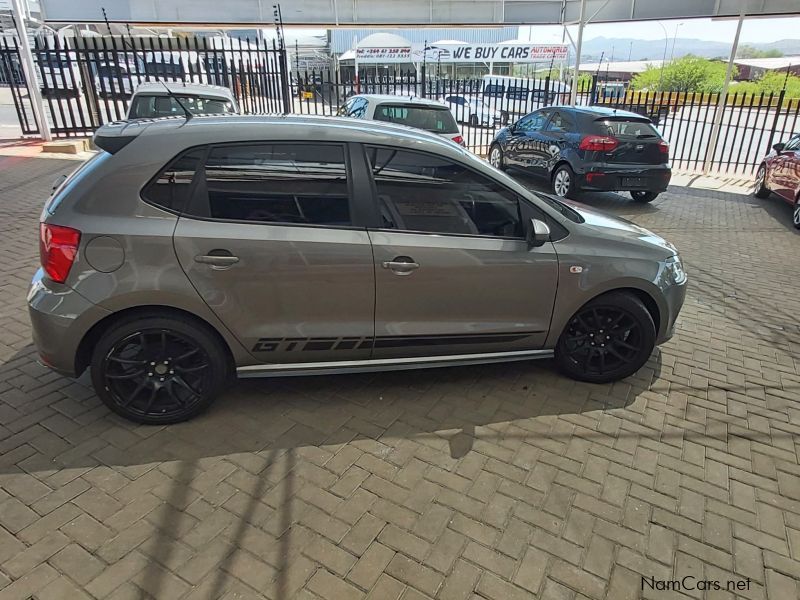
x=663, y=147
x=598, y=143
x=58, y=247
x=460, y=141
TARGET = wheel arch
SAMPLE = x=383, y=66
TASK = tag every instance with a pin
x=559, y=162
x=647, y=298
x=83, y=356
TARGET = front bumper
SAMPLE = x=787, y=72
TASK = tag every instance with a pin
x=674, y=295
x=603, y=178
x=60, y=317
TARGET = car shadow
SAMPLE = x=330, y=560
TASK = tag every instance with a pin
x=777, y=208
x=459, y=403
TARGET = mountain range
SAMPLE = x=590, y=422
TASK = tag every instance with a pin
x=654, y=49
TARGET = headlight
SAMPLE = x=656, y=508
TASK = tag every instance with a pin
x=674, y=270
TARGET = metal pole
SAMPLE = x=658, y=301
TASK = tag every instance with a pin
x=29, y=68
x=723, y=96
x=573, y=95
x=663, y=60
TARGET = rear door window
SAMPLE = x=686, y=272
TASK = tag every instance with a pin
x=303, y=184
x=560, y=122
x=429, y=118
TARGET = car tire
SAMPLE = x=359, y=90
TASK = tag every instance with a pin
x=473, y=120
x=158, y=369
x=643, y=197
x=588, y=350
x=496, y=158
x=760, y=189
x=563, y=182
x=504, y=117
x=796, y=213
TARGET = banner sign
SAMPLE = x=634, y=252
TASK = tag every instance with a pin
x=384, y=55
x=499, y=53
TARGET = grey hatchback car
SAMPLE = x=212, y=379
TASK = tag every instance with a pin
x=187, y=252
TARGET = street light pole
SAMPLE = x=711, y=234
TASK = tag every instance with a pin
x=674, y=37
x=573, y=94
x=663, y=60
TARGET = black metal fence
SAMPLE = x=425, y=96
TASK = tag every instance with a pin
x=86, y=82
x=89, y=82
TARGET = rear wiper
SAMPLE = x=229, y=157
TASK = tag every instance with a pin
x=645, y=135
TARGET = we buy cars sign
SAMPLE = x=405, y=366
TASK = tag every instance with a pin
x=509, y=53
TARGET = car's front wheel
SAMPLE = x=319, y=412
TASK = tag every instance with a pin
x=642, y=196
x=609, y=338
x=496, y=157
x=760, y=189
x=158, y=369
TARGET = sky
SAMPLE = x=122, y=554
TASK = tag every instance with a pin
x=753, y=30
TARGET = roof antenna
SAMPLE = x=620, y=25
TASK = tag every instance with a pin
x=187, y=113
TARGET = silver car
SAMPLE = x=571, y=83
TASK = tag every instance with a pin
x=186, y=252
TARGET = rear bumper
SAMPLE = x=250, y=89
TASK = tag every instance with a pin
x=60, y=317
x=605, y=178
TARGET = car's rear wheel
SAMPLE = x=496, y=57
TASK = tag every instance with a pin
x=796, y=213
x=496, y=157
x=760, y=189
x=158, y=370
x=643, y=196
x=608, y=339
x=563, y=182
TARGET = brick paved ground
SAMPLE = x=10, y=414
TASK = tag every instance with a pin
x=497, y=482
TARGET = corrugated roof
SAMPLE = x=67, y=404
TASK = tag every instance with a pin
x=342, y=39
x=780, y=62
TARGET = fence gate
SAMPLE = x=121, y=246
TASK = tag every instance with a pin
x=13, y=77
x=87, y=82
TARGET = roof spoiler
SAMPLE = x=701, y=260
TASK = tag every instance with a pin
x=113, y=137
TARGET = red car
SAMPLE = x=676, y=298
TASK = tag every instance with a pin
x=780, y=173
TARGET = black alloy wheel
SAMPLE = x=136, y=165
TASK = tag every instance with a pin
x=608, y=339
x=159, y=372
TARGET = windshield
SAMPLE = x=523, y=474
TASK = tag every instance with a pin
x=429, y=118
x=150, y=107
x=634, y=128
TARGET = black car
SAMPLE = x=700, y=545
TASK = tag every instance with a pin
x=587, y=148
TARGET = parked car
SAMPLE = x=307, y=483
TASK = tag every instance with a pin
x=188, y=251
x=157, y=99
x=473, y=111
x=779, y=172
x=513, y=97
x=419, y=113
x=587, y=148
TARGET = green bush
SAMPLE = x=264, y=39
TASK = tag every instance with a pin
x=686, y=74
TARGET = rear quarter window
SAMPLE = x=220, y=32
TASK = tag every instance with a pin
x=171, y=188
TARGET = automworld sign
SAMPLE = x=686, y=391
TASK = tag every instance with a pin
x=509, y=53
x=384, y=55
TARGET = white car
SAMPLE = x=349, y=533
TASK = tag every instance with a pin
x=419, y=113
x=473, y=111
x=152, y=100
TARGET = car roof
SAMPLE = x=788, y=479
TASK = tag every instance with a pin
x=179, y=87
x=603, y=111
x=218, y=129
x=407, y=99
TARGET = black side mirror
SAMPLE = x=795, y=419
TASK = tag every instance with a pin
x=538, y=233
x=778, y=147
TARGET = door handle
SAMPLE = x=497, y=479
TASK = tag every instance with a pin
x=401, y=265
x=217, y=260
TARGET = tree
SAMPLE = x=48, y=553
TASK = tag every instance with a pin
x=686, y=74
x=747, y=51
x=772, y=82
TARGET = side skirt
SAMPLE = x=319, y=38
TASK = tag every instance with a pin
x=387, y=364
